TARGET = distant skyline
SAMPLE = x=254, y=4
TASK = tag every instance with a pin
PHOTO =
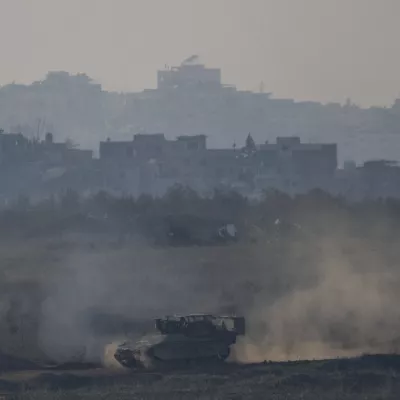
x=317, y=50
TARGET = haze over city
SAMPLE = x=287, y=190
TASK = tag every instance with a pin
x=322, y=50
x=194, y=193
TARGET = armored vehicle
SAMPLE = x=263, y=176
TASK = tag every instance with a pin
x=182, y=340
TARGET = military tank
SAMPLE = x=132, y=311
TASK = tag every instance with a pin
x=182, y=340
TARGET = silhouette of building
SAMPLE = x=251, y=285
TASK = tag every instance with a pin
x=187, y=160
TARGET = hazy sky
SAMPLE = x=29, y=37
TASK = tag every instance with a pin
x=307, y=49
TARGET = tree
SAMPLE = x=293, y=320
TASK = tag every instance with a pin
x=250, y=144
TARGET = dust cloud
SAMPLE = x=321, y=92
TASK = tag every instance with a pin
x=303, y=299
x=108, y=358
x=122, y=290
x=345, y=312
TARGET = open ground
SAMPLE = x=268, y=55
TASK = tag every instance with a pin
x=323, y=287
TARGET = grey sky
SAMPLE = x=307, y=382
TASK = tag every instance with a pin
x=307, y=49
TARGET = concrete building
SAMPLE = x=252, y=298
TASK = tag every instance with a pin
x=287, y=164
x=151, y=164
x=35, y=167
x=374, y=179
x=155, y=162
x=296, y=167
x=189, y=75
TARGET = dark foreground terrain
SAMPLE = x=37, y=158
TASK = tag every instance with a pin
x=319, y=285
x=366, y=377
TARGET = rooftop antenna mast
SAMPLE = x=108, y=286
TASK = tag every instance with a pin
x=190, y=60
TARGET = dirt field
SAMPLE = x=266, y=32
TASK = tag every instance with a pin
x=368, y=377
x=302, y=299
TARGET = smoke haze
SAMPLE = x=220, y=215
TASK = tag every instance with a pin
x=302, y=298
x=344, y=313
x=296, y=48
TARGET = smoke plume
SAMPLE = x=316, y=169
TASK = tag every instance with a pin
x=303, y=297
x=345, y=311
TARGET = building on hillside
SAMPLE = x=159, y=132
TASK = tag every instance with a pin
x=189, y=75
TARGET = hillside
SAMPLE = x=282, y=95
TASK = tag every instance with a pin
x=73, y=107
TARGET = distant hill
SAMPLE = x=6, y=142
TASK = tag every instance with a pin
x=76, y=108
